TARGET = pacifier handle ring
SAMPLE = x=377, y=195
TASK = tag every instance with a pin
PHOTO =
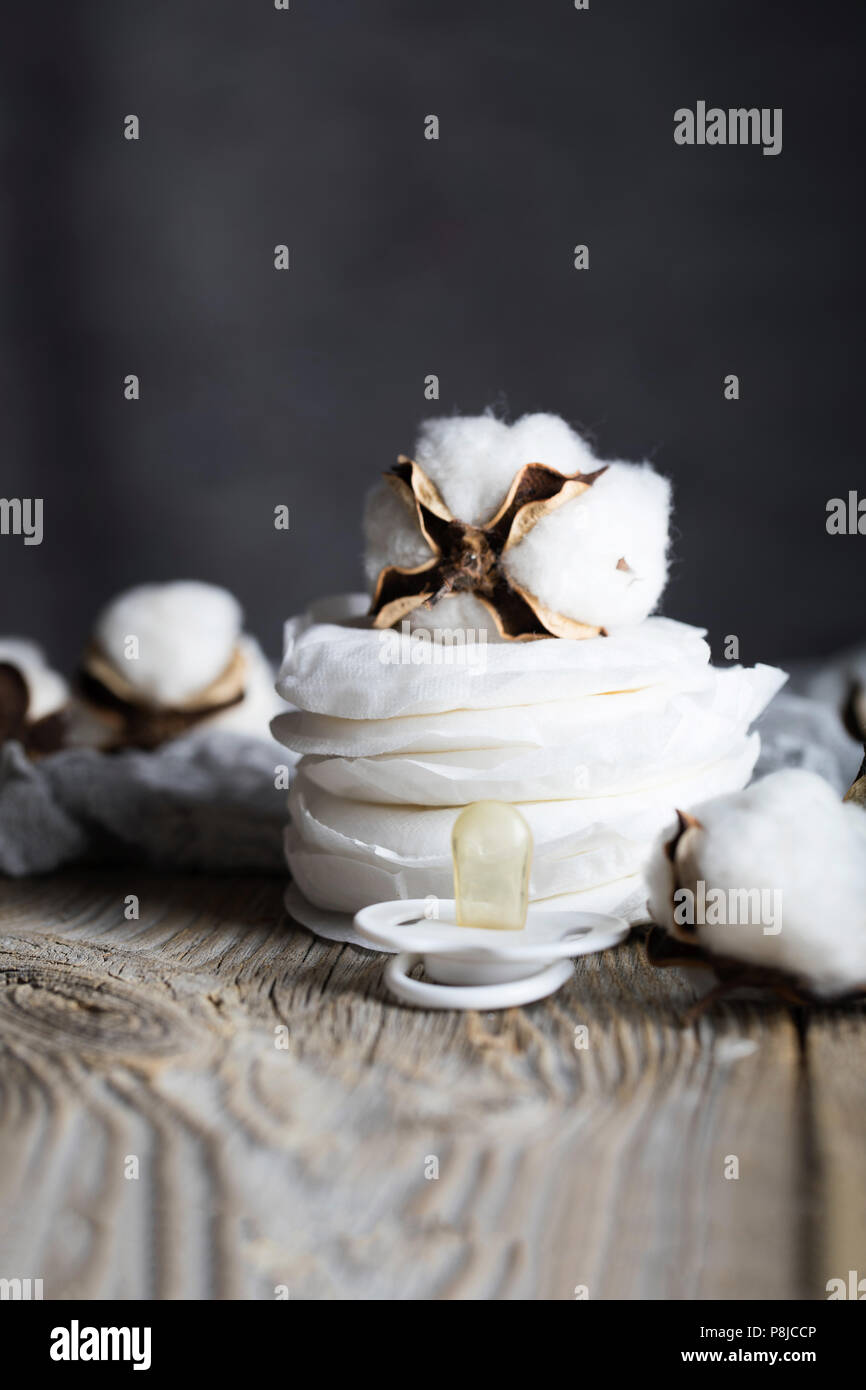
x=425, y=994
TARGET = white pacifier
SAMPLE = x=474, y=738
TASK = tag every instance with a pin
x=487, y=948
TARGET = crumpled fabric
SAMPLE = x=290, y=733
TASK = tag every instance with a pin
x=203, y=803
x=805, y=732
x=830, y=681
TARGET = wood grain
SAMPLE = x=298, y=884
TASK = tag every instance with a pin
x=836, y=1072
x=306, y=1167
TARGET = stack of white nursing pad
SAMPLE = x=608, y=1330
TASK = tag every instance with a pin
x=596, y=742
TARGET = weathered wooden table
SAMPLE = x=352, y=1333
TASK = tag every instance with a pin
x=208, y=1102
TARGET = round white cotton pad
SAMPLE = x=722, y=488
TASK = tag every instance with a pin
x=416, y=829
x=356, y=673
x=640, y=752
x=170, y=641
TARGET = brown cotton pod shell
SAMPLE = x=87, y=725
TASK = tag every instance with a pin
x=467, y=559
x=857, y=790
x=679, y=842
x=14, y=701
x=132, y=720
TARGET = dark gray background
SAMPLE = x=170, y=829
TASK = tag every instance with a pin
x=411, y=257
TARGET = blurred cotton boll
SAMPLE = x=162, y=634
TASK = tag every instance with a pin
x=47, y=690
x=600, y=558
x=170, y=641
x=169, y=660
x=772, y=877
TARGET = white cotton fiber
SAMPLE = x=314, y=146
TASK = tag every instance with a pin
x=186, y=634
x=47, y=689
x=789, y=833
x=569, y=560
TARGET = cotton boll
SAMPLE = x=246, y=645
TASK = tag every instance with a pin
x=473, y=460
x=570, y=559
x=47, y=690
x=790, y=833
x=193, y=672
x=599, y=559
x=186, y=633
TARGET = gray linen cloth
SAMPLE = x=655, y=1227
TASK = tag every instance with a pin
x=207, y=802
x=797, y=731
